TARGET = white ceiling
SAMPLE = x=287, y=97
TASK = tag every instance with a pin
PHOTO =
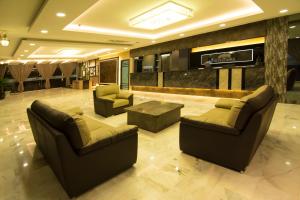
x=22, y=20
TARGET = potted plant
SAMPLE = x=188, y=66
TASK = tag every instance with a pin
x=2, y=88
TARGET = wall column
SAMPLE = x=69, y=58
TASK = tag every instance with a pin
x=276, y=49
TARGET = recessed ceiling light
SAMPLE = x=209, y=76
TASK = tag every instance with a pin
x=32, y=44
x=181, y=34
x=222, y=25
x=44, y=31
x=26, y=50
x=163, y=15
x=284, y=11
x=125, y=48
x=60, y=14
x=291, y=27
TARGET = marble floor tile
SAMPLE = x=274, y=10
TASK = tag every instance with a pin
x=162, y=172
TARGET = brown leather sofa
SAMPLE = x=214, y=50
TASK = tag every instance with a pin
x=291, y=79
x=108, y=100
x=229, y=134
x=81, y=151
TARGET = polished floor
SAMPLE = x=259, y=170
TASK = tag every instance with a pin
x=162, y=172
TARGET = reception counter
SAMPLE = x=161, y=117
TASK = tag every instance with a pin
x=221, y=82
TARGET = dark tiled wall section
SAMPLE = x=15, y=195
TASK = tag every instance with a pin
x=205, y=78
x=254, y=78
x=253, y=30
x=143, y=79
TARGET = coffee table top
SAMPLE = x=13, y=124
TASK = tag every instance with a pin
x=154, y=107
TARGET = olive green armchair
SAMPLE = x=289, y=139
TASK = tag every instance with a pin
x=109, y=100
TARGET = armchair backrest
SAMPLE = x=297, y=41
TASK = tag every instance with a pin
x=107, y=90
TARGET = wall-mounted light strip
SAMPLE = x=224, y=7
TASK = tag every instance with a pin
x=252, y=41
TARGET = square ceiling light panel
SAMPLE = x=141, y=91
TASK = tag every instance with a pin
x=69, y=52
x=163, y=15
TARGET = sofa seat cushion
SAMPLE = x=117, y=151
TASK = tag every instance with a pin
x=107, y=135
x=215, y=116
x=92, y=123
x=248, y=105
x=107, y=90
x=120, y=102
x=226, y=103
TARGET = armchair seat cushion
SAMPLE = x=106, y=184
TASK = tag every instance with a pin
x=111, y=96
x=120, y=102
x=123, y=95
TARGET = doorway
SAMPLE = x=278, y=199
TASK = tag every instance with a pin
x=124, y=74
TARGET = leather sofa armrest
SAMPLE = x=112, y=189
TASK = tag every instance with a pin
x=125, y=131
x=226, y=103
x=210, y=126
x=124, y=95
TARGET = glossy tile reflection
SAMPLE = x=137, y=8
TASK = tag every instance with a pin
x=162, y=172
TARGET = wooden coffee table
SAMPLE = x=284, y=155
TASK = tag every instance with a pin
x=154, y=115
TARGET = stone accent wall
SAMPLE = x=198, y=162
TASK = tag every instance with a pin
x=254, y=78
x=206, y=78
x=276, y=48
x=143, y=79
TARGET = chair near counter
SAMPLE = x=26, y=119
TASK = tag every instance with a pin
x=109, y=100
x=229, y=134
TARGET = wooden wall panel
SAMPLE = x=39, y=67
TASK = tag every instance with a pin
x=108, y=71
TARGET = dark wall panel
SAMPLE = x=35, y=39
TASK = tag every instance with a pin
x=143, y=79
x=180, y=60
x=254, y=78
x=205, y=78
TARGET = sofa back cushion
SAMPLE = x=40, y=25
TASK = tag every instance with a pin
x=60, y=121
x=107, y=90
x=242, y=110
